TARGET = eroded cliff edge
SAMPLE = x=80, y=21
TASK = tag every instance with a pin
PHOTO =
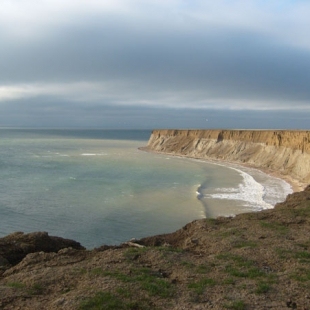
x=286, y=152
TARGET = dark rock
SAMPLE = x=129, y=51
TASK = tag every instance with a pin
x=4, y=263
x=14, y=247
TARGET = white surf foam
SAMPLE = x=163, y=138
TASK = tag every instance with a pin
x=263, y=192
x=93, y=154
x=199, y=195
x=249, y=191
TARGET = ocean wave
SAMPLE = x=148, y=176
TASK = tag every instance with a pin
x=199, y=194
x=93, y=154
x=51, y=155
x=276, y=191
x=249, y=191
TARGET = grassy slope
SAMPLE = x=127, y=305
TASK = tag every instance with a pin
x=253, y=261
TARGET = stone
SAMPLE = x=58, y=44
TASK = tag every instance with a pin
x=16, y=246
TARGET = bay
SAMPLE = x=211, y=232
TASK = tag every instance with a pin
x=96, y=187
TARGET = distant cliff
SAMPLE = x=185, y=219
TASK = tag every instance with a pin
x=284, y=151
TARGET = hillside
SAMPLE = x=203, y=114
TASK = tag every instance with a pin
x=253, y=261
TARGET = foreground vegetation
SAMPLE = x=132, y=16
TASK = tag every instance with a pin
x=253, y=261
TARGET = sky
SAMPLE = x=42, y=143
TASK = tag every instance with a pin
x=148, y=64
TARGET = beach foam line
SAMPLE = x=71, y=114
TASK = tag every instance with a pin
x=249, y=191
x=93, y=154
x=199, y=194
x=253, y=193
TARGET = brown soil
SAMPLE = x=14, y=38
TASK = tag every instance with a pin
x=252, y=261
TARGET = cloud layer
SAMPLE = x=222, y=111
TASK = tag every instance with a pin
x=151, y=56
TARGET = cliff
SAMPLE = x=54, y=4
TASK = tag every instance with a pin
x=284, y=151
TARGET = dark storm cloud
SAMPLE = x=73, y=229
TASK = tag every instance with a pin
x=128, y=55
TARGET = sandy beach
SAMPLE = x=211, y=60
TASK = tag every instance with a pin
x=296, y=185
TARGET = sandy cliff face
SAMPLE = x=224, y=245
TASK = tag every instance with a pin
x=287, y=152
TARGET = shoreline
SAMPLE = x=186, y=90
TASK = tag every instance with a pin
x=256, y=260
x=296, y=185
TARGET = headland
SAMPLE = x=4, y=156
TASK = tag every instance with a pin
x=283, y=153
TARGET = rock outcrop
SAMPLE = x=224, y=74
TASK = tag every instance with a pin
x=284, y=151
x=14, y=247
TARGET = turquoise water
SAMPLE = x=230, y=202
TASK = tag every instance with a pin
x=96, y=187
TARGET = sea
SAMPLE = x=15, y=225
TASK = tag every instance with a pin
x=97, y=187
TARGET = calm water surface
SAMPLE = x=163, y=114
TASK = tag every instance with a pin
x=96, y=187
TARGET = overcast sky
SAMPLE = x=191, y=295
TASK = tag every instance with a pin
x=155, y=63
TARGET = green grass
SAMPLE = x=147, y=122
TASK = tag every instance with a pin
x=236, y=305
x=109, y=301
x=97, y=272
x=158, y=287
x=17, y=285
x=231, y=232
x=229, y=281
x=282, y=253
x=305, y=245
x=203, y=269
x=241, y=267
x=304, y=256
x=36, y=289
x=119, y=276
x=104, y=301
x=251, y=273
x=302, y=212
x=245, y=244
x=187, y=264
x=277, y=227
x=262, y=288
x=134, y=253
x=148, y=280
x=124, y=292
x=302, y=275
x=200, y=286
x=169, y=249
x=211, y=221
x=237, y=259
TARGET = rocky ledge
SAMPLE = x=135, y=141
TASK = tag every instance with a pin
x=252, y=261
x=14, y=247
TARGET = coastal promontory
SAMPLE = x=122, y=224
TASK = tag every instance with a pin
x=286, y=152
